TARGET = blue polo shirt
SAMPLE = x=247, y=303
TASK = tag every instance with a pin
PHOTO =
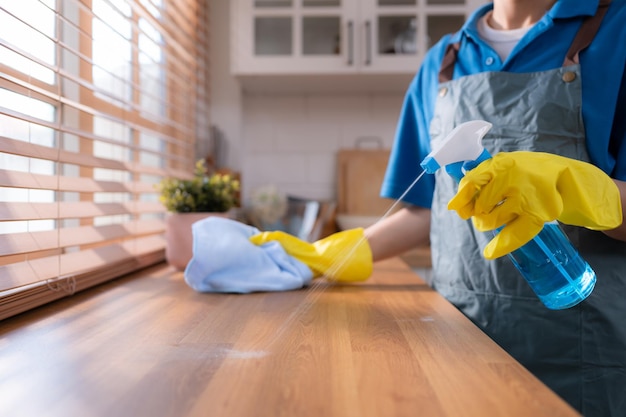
x=542, y=48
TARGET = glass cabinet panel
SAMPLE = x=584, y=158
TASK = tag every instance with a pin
x=273, y=35
x=320, y=35
x=397, y=2
x=436, y=2
x=321, y=3
x=397, y=35
x=438, y=26
x=272, y=3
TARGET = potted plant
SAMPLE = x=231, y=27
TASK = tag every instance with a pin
x=190, y=200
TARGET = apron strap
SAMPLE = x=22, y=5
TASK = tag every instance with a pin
x=449, y=60
x=585, y=34
x=583, y=39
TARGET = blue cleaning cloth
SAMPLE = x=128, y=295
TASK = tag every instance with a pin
x=225, y=261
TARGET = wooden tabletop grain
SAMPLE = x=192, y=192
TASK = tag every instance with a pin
x=147, y=345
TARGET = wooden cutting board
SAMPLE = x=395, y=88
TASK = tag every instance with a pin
x=361, y=173
x=360, y=176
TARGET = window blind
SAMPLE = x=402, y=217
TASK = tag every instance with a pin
x=99, y=100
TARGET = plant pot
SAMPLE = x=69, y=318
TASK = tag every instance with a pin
x=179, y=239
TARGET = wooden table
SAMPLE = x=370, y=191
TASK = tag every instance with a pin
x=147, y=345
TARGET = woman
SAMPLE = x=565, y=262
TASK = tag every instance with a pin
x=549, y=75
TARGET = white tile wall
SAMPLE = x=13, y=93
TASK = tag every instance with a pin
x=291, y=141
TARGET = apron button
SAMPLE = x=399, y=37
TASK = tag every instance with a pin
x=443, y=91
x=569, y=76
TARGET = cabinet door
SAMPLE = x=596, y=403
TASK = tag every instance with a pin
x=302, y=37
x=397, y=33
x=292, y=36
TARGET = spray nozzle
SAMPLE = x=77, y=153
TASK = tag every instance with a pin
x=461, y=150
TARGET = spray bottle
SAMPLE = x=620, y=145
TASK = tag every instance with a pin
x=550, y=264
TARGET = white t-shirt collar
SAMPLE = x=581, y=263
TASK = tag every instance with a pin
x=502, y=41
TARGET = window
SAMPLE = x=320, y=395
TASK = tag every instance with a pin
x=99, y=99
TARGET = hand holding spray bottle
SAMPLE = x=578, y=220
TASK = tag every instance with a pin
x=553, y=268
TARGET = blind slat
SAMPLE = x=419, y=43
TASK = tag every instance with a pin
x=17, y=147
x=14, y=302
x=21, y=243
x=74, y=210
x=76, y=263
x=97, y=107
x=59, y=183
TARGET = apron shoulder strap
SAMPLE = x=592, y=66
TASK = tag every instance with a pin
x=585, y=34
x=449, y=60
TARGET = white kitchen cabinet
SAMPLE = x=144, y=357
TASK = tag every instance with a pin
x=297, y=37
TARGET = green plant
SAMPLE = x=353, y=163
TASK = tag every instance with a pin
x=202, y=193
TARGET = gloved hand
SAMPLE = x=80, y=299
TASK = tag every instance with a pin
x=343, y=256
x=523, y=190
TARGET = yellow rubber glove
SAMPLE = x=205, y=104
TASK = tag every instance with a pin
x=523, y=190
x=344, y=256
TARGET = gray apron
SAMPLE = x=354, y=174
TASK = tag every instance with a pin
x=580, y=352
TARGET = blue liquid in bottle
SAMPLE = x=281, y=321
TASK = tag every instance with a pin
x=554, y=269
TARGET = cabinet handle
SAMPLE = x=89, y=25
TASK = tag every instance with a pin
x=350, y=42
x=368, y=42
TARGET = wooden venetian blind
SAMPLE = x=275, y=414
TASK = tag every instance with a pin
x=99, y=100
